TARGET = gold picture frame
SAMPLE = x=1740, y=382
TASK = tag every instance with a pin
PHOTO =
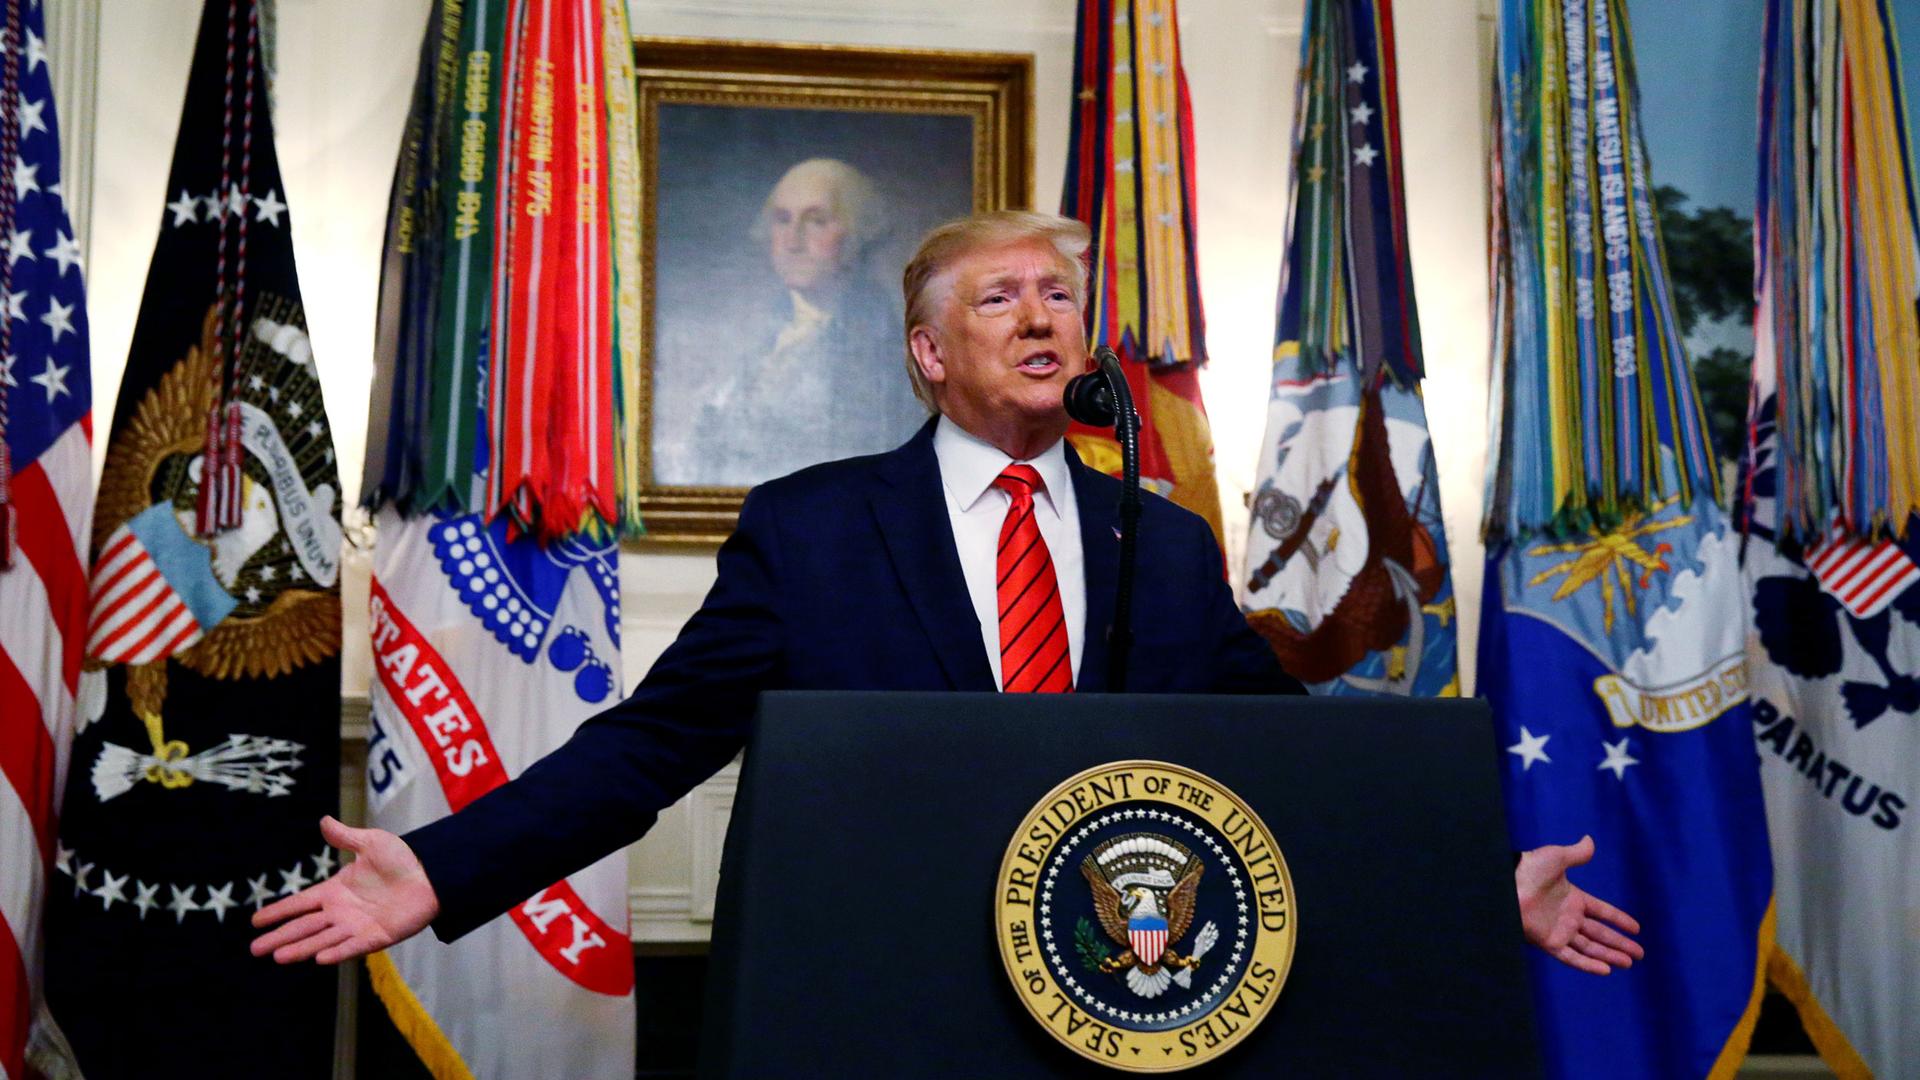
x=727, y=129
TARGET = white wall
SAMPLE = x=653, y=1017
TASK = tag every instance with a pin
x=345, y=68
x=1444, y=46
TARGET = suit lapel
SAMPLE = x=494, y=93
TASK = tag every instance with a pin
x=1100, y=552
x=910, y=510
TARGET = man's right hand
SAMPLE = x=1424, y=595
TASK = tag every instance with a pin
x=1571, y=925
x=380, y=898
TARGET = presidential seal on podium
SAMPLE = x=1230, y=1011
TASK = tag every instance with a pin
x=1145, y=916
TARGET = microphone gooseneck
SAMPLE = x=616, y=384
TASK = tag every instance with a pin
x=1101, y=398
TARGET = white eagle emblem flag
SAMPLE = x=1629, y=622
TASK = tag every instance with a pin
x=1832, y=661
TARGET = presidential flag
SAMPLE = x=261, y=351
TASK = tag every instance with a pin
x=495, y=613
x=1613, y=642
x=46, y=501
x=1130, y=179
x=213, y=620
x=1346, y=566
x=1830, y=491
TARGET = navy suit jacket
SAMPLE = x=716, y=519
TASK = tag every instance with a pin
x=843, y=576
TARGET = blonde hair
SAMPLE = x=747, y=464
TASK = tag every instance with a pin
x=927, y=280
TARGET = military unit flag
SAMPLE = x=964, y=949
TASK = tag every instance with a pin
x=1829, y=492
x=1612, y=646
x=1130, y=179
x=498, y=465
x=46, y=500
x=213, y=620
x=1346, y=567
x=508, y=318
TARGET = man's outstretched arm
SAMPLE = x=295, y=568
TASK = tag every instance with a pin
x=380, y=898
x=1569, y=924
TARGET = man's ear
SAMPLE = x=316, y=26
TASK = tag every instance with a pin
x=926, y=353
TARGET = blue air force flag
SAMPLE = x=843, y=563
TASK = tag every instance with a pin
x=1615, y=662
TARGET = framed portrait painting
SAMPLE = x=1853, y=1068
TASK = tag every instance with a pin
x=785, y=187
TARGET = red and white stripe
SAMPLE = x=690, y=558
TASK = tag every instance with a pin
x=43, y=607
x=1148, y=945
x=1864, y=577
x=137, y=617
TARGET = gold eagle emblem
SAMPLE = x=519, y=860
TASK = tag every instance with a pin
x=279, y=625
x=1144, y=886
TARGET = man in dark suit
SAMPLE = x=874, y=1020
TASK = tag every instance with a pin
x=979, y=556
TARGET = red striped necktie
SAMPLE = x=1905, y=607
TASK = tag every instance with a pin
x=1033, y=625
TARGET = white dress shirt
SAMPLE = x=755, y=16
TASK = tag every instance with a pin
x=977, y=509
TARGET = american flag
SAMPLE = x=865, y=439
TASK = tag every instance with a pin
x=1864, y=577
x=46, y=483
x=153, y=592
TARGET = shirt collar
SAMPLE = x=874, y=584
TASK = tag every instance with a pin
x=969, y=465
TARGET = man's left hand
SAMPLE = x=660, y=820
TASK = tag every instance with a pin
x=1575, y=928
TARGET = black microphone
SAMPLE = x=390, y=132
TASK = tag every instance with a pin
x=1088, y=401
x=1101, y=398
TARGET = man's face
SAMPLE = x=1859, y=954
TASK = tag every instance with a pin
x=807, y=233
x=1008, y=339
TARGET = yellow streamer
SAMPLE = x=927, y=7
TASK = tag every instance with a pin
x=413, y=1021
x=1831, y=1043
